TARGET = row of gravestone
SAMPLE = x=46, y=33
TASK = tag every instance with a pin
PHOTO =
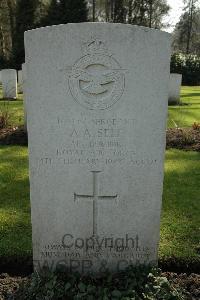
x=10, y=78
x=12, y=82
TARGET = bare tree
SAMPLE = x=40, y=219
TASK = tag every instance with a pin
x=190, y=8
x=93, y=10
x=7, y=24
x=186, y=36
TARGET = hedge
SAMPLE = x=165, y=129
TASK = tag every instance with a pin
x=188, y=65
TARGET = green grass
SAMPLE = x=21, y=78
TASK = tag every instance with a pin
x=181, y=209
x=15, y=109
x=15, y=229
x=189, y=112
x=180, y=223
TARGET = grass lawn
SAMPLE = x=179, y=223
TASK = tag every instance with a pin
x=15, y=230
x=189, y=112
x=15, y=109
x=181, y=201
x=180, y=216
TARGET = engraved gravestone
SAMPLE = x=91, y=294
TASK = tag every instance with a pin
x=24, y=93
x=96, y=99
x=20, y=81
x=9, y=83
x=174, y=88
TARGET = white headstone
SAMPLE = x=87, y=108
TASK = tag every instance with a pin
x=24, y=93
x=174, y=88
x=97, y=105
x=0, y=77
x=20, y=81
x=9, y=83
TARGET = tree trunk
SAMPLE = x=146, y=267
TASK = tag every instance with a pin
x=150, y=12
x=130, y=10
x=93, y=10
x=12, y=19
x=190, y=23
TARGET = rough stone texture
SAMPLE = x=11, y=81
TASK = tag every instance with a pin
x=20, y=81
x=24, y=93
x=97, y=106
x=174, y=88
x=9, y=83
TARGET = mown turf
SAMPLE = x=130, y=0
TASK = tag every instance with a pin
x=188, y=112
x=15, y=109
x=15, y=229
x=180, y=223
x=180, y=216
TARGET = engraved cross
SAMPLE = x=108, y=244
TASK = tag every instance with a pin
x=94, y=197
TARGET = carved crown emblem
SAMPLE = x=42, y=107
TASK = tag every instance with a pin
x=95, y=46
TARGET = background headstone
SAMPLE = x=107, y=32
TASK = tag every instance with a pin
x=20, y=81
x=174, y=88
x=96, y=99
x=9, y=83
x=0, y=77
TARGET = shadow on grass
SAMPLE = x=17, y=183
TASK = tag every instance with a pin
x=188, y=95
x=184, y=117
x=15, y=225
x=180, y=215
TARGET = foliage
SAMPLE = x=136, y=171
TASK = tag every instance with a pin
x=65, y=11
x=188, y=138
x=147, y=13
x=141, y=283
x=188, y=66
x=4, y=115
x=24, y=15
x=186, y=36
x=16, y=110
x=28, y=14
x=196, y=126
x=7, y=24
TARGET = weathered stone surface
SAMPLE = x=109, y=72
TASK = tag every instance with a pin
x=20, y=81
x=9, y=83
x=24, y=93
x=97, y=104
x=174, y=88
